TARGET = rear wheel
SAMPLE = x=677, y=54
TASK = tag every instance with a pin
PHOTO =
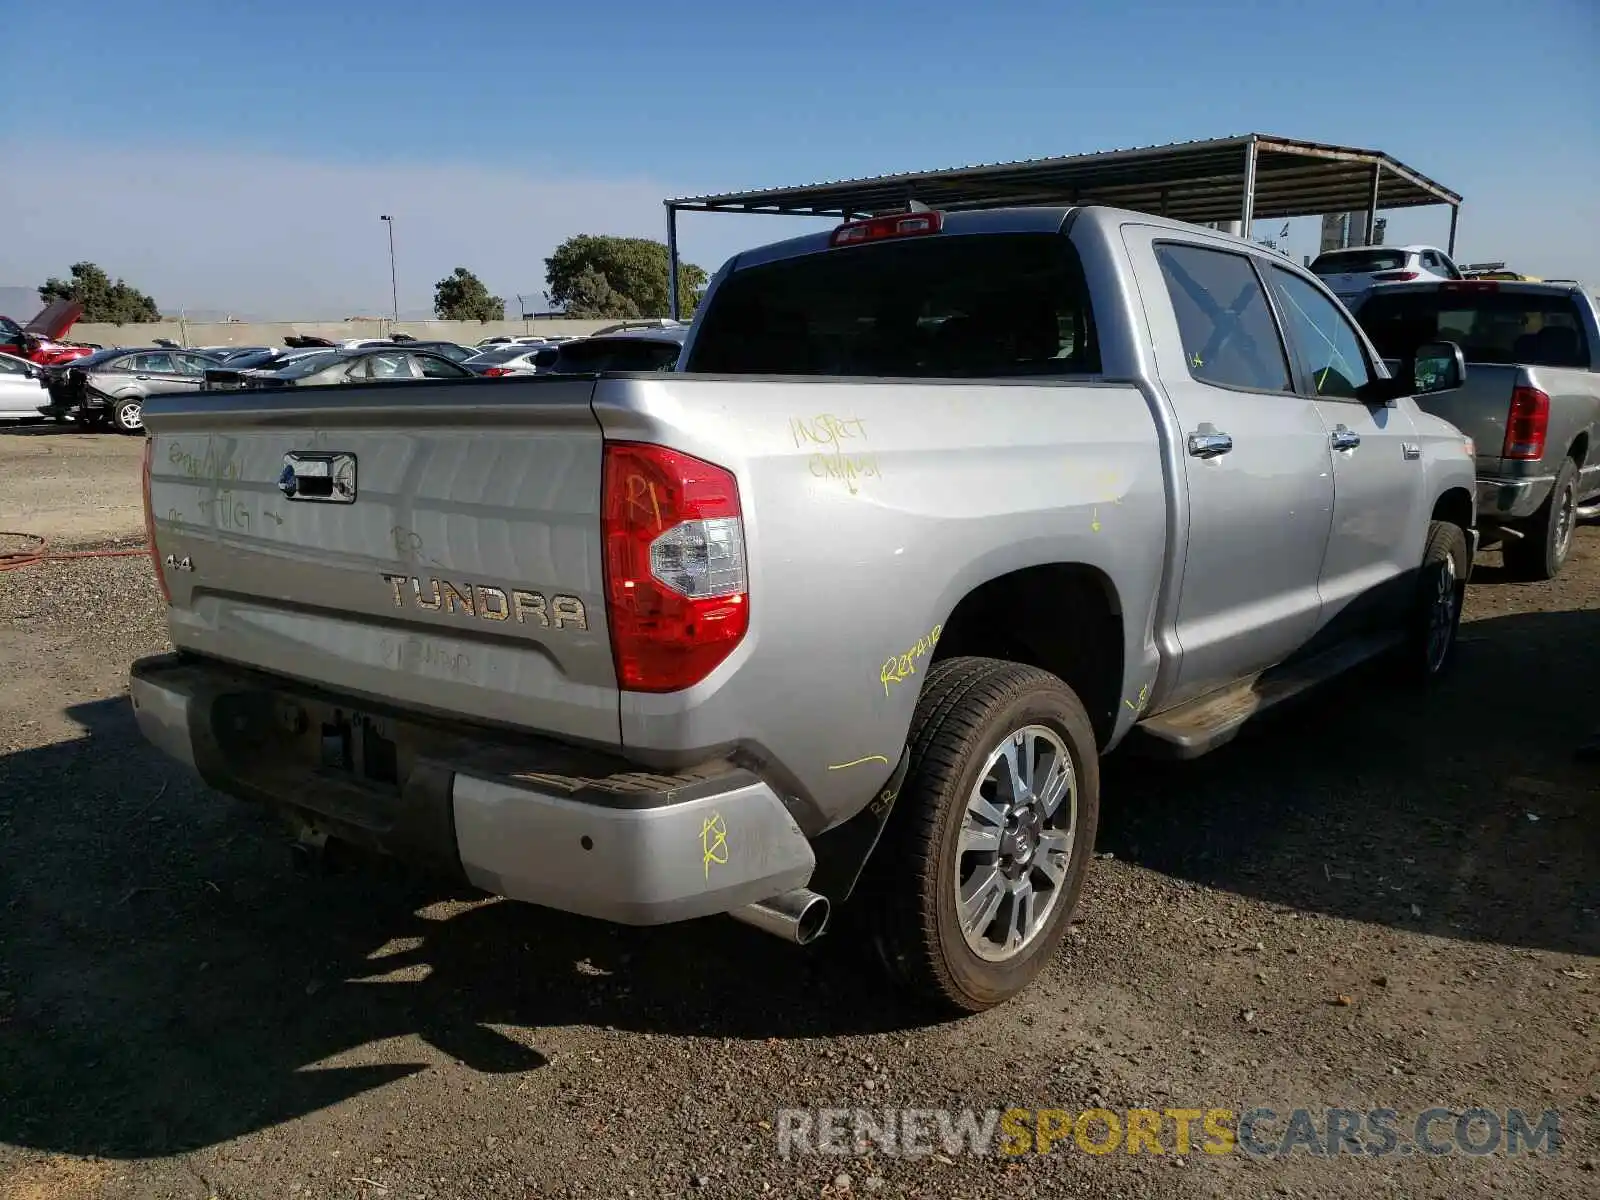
x=1546, y=539
x=128, y=415
x=971, y=890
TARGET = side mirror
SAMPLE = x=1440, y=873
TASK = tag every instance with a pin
x=1438, y=367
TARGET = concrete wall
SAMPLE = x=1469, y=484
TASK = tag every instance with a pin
x=196, y=333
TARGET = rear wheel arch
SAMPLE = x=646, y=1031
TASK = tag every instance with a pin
x=1578, y=452
x=1064, y=618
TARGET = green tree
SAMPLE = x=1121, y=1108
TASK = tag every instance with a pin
x=592, y=296
x=461, y=296
x=118, y=303
x=633, y=268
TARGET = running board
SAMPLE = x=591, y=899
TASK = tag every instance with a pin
x=1200, y=725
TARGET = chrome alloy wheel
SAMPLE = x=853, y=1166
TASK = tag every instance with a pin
x=1016, y=843
x=1566, y=521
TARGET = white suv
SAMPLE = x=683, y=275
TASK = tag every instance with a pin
x=1351, y=272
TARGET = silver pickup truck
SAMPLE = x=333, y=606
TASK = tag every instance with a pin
x=1532, y=404
x=940, y=509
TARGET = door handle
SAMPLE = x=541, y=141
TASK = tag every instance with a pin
x=1345, y=438
x=141, y=377
x=1209, y=445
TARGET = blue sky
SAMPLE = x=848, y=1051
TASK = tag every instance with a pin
x=237, y=156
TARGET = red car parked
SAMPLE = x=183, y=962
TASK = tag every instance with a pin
x=39, y=340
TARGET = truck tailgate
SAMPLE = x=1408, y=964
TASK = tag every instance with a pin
x=434, y=545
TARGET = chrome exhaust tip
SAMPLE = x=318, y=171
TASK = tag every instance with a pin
x=799, y=916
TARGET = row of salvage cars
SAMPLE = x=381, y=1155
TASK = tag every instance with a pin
x=107, y=388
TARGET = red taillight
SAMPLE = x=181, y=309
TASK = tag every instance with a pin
x=676, y=583
x=150, y=520
x=1527, y=424
x=1394, y=276
x=876, y=229
x=497, y=371
x=1469, y=285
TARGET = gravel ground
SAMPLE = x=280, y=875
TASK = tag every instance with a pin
x=1370, y=902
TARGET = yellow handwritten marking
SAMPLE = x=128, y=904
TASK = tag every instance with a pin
x=898, y=667
x=858, y=761
x=834, y=462
x=1094, y=520
x=825, y=429
x=713, y=842
x=1137, y=705
x=848, y=467
x=639, y=488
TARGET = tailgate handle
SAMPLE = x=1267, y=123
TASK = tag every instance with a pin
x=329, y=478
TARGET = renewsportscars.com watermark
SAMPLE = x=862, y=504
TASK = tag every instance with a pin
x=1259, y=1132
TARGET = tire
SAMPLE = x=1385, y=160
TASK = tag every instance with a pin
x=968, y=710
x=127, y=415
x=1435, y=618
x=1547, y=536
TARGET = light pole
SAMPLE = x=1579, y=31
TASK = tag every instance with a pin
x=394, y=288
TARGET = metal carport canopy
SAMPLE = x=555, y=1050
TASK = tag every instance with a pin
x=1252, y=176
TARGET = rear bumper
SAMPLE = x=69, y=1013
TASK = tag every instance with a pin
x=1501, y=500
x=570, y=829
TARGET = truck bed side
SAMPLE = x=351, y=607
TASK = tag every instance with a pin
x=871, y=510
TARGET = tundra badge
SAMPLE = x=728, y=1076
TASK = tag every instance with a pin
x=488, y=603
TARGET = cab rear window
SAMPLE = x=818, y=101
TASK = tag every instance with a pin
x=973, y=306
x=1536, y=329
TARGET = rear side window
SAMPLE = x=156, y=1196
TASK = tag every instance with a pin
x=439, y=368
x=1538, y=329
x=985, y=306
x=309, y=365
x=1229, y=336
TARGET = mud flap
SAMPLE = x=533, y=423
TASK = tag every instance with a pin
x=843, y=851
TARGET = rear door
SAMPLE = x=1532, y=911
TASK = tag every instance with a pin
x=1379, y=519
x=20, y=393
x=1257, y=464
x=164, y=371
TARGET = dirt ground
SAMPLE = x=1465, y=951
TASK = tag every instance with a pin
x=1371, y=902
x=68, y=486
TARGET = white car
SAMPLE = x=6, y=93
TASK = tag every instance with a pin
x=21, y=396
x=1351, y=272
x=507, y=358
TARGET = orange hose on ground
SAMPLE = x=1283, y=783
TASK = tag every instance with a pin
x=15, y=560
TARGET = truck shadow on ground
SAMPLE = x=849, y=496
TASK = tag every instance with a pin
x=167, y=982
x=1462, y=812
